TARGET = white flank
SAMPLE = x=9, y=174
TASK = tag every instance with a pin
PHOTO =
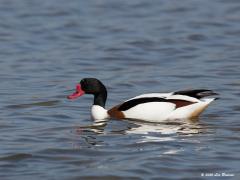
x=161, y=111
x=151, y=111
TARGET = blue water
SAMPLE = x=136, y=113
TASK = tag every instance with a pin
x=133, y=47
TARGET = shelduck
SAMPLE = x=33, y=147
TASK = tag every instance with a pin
x=152, y=107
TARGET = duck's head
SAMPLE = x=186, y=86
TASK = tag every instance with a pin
x=91, y=86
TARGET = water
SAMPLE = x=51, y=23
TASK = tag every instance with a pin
x=134, y=47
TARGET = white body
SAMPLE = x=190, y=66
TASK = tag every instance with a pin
x=158, y=111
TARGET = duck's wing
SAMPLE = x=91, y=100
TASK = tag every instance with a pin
x=149, y=95
x=196, y=93
x=146, y=106
x=172, y=97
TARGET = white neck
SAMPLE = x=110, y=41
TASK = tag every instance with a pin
x=99, y=113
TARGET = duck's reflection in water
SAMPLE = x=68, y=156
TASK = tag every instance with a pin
x=144, y=131
x=166, y=131
x=96, y=127
x=179, y=126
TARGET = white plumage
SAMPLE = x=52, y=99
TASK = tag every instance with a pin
x=161, y=111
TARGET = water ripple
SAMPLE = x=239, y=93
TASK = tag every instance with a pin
x=16, y=157
x=23, y=106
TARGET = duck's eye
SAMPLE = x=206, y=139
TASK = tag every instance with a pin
x=82, y=82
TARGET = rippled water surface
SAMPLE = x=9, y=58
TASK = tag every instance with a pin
x=134, y=47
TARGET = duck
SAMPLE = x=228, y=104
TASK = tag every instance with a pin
x=151, y=107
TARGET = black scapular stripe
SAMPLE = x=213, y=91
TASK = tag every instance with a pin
x=197, y=93
x=131, y=103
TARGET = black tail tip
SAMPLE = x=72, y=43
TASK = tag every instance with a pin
x=207, y=93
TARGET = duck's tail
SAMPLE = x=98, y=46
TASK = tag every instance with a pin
x=202, y=106
x=191, y=111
